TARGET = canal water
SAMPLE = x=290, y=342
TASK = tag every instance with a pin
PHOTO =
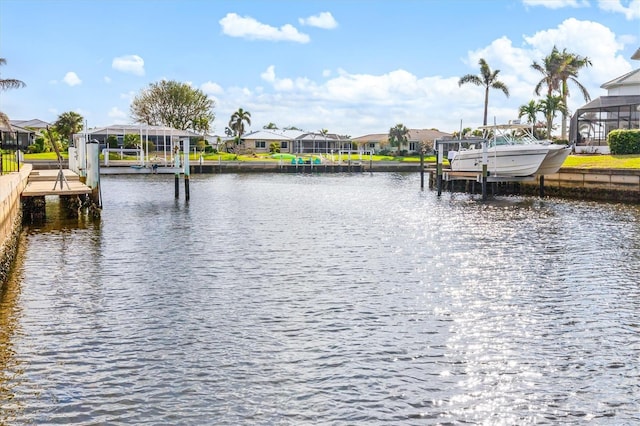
x=277, y=299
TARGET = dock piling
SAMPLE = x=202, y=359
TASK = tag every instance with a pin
x=439, y=154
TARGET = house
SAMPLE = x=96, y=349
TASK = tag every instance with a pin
x=17, y=137
x=620, y=109
x=294, y=141
x=161, y=136
x=261, y=140
x=416, y=139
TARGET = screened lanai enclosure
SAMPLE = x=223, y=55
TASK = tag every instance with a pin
x=591, y=124
x=620, y=109
x=161, y=137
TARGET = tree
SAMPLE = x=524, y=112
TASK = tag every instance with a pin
x=173, y=104
x=270, y=126
x=558, y=68
x=68, y=124
x=5, y=84
x=571, y=65
x=398, y=135
x=530, y=110
x=488, y=79
x=237, y=123
x=550, y=106
x=132, y=141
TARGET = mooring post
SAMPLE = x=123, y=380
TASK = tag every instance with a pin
x=176, y=165
x=422, y=169
x=187, y=168
x=439, y=154
x=485, y=160
x=93, y=171
x=541, y=186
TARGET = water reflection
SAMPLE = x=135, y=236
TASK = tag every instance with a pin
x=10, y=368
x=297, y=299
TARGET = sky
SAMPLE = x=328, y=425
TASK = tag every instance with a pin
x=352, y=67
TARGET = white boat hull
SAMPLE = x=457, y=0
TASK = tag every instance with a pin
x=554, y=159
x=503, y=160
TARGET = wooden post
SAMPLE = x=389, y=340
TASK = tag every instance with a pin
x=421, y=169
x=541, y=186
x=176, y=165
x=439, y=155
x=187, y=168
x=485, y=161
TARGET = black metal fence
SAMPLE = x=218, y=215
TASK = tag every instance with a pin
x=10, y=161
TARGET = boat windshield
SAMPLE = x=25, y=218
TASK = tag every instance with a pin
x=514, y=138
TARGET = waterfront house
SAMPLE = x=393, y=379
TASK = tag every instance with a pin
x=261, y=140
x=161, y=136
x=16, y=137
x=416, y=139
x=294, y=141
x=620, y=109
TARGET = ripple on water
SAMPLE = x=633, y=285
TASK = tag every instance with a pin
x=326, y=299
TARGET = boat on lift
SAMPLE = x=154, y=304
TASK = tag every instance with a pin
x=511, y=151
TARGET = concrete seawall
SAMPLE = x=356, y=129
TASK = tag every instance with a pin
x=591, y=184
x=11, y=187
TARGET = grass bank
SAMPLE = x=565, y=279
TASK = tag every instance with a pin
x=583, y=161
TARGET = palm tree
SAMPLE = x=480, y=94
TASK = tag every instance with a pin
x=237, y=122
x=398, y=135
x=550, y=106
x=8, y=83
x=558, y=68
x=550, y=70
x=571, y=65
x=68, y=124
x=530, y=110
x=324, y=133
x=488, y=79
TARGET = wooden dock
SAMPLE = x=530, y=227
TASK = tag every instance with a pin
x=46, y=182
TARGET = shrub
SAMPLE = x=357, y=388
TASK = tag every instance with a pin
x=622, y=141
x=112, y=141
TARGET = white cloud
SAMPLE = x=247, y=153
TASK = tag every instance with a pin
x=630, y=12
x=132, y=64
x=128, y=96
x=211, y=88
x=234, y=25
x=284, y=84
x=107, y=79
x=323, y=20
x=585, y=38
x=117, y=115
x=358, y=104
x=72, y=79
x=556, y=4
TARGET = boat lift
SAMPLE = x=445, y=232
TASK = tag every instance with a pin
x=482, y=177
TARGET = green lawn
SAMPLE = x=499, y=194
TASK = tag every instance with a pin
x=603, y=161
x=575, y=161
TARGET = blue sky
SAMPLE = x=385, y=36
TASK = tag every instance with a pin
x=352, y=67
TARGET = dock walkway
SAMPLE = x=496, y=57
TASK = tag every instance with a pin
x=46, y=182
